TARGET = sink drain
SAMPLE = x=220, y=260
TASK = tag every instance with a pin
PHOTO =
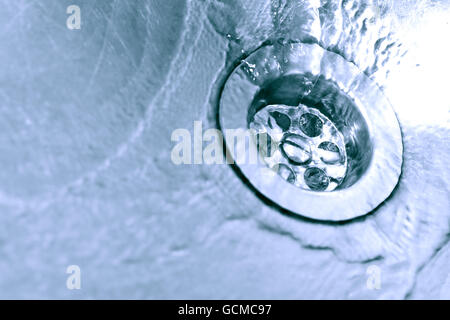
x=328, y=141
x=306, y=143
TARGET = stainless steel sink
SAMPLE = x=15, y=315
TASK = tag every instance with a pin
x=86, y=177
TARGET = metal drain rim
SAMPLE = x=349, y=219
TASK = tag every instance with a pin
x=383, y=172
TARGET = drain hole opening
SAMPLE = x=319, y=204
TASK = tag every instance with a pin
x=316, y=179
x=316, y=101
x=310, y=124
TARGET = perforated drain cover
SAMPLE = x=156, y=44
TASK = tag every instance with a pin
x=307, y=144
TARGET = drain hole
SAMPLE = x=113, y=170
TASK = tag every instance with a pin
x=310, y=124
x=316, y=179
x=296, y=149
x=329, y=152
x=282, y=120
x=286, y=173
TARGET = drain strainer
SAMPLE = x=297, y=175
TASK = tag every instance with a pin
x=328, y=142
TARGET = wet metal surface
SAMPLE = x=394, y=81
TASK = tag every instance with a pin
x=87, y=178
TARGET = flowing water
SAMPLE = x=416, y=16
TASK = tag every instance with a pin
x=87, y=179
